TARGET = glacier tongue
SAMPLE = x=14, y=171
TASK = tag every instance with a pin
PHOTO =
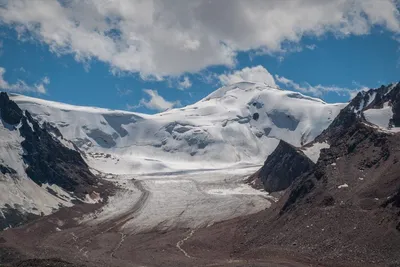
x=236, y=124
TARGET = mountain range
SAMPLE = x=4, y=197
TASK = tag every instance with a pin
x=328, y=173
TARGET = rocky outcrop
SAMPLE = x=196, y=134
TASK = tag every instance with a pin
x=5, y=169
x=48, y=161
x=10, y=112
x=283, y=166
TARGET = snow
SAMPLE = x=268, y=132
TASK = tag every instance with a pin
x=380, y=117
x=93, y=198
x=61, y=193
x=343, y=186
x=313, y=151
x=216, y=132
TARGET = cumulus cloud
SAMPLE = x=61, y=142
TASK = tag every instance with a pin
x=254, y=74
x=184, y=83
x=154, y=102
x=21, y=86
x=166, y=37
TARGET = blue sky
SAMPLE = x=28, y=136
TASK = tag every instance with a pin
x=113, y=63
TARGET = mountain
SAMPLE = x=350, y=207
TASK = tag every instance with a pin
x=282, y=167
x=50, y=151
x=345, y=210
x=237, y=124
x=335, y=165
x=38, y=173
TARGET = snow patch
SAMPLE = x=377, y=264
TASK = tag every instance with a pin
x=380, y=117
x=93, y=198
x=343, y=186
x=314, y=151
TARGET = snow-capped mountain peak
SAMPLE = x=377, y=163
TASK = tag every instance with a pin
x=236, y=124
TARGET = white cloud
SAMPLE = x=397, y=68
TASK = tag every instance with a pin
x=124, y=92
x=133, y=107
x=360, y=88
x=21, y=86
x=166, y=37
x=155, y=102
x=317, y=90
x=311, y=46
x=254, y=74
x=46, y=80
x=185, y=83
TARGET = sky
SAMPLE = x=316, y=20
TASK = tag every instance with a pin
x=149, y=56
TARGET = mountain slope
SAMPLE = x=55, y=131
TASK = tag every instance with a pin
x=236, y=124
x=38, y=173
x=351, y=194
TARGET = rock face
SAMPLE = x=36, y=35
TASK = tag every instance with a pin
x=283, y=166
x=48, y=160
x=51, y=162
x=10, y=112
x=45, y=160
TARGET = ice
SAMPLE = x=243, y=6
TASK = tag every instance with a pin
x=185, y=200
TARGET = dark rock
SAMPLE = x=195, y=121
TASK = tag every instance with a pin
x=256, y=116
x=328, y=201
x=10, y=112
x=6, y=169
x=48, y=160
x=51, y=162
x=283, y=166
x=13, y=217
x=298, y=193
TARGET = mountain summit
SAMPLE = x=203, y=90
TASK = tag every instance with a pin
x=240, y=123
